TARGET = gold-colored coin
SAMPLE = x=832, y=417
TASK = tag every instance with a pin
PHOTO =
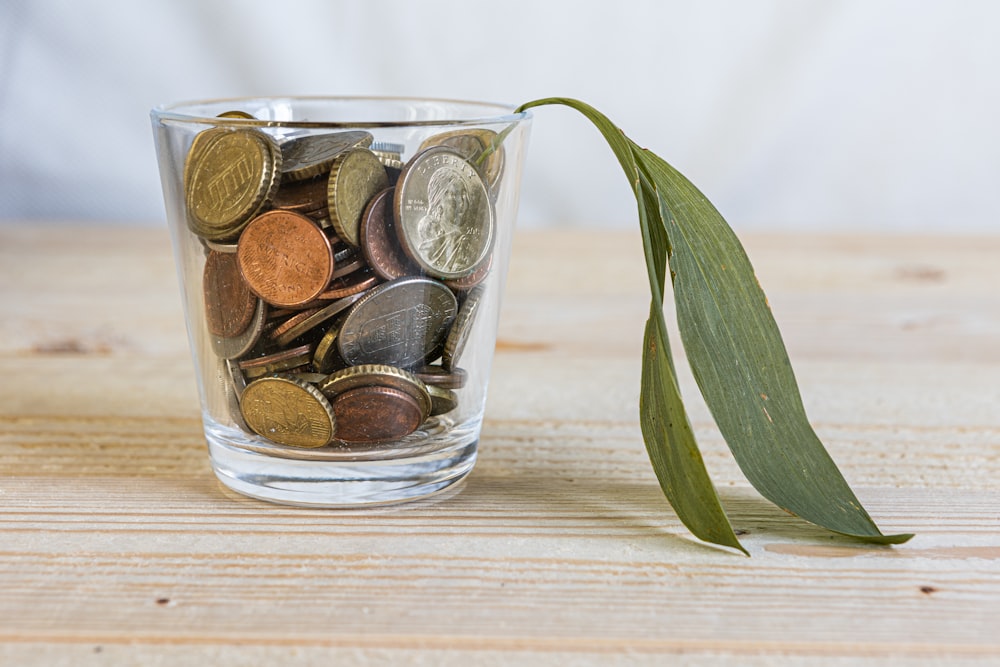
x=229, y=177
x=442, y=400
x=326, y=358
x=355, y=177
x=472, y=143
x=288, y=411
x=236, y=113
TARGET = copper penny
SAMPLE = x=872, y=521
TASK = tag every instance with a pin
x=316, y=317
x=277, y=362
x=379, y=242
x=375, y=414
x=229, y=303
x=340, y=287
x=297, y=318
x=285, y=258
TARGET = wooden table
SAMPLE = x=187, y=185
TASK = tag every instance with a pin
x=119, y=546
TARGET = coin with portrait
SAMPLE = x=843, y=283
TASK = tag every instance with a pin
x=444, y=215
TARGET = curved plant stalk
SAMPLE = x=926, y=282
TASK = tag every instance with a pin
x=737, y=357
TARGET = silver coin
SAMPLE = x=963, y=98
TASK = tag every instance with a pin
x=311, y=155
x=444, y=214
x=399, y=323
x=237, y=346
x=235, y=382
x=454, y=344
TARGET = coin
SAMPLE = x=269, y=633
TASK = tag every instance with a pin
x=312, y=154
x=472, y=143
x=355, y=177
x=341, y=287
x=229, y=176
x=288, y=411
x=442, y=400
x=458, y=335
x=285, y=258
x=437, y=376
x=351, y=264
x=375, y=414
x=326, y=358
x=377, y=375
x=228, y=248
x=226, y=347
x=444, y=215
x=466, y=283
x=229, y=303
x=304, y=197
x=233, y=383
x=378, y=239
x=315, y=318
x=297, y=317
x=400, y=323
x=236, y=114
x=276, y=362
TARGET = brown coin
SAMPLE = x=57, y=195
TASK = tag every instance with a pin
x=229, y=303
x=340, y=287
x=379, y=242
x=305, y=197
x=232, y=347
x=375, y=414
x=438, y=377
x=355, y=177
x=297, y=318
x=317, y=316
x=377, y=375
x=288, y=411
x=229, y=177
x=278, y=361
x=285, y=258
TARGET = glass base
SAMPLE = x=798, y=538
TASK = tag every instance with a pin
x=340, y=481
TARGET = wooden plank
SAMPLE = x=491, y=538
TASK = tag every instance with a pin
x=118, y=547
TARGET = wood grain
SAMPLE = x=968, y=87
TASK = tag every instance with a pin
x=117, y=546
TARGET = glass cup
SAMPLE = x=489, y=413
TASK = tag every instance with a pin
x=341, y=263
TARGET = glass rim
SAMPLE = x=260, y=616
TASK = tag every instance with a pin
x=502, y=113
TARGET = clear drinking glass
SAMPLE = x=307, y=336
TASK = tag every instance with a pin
x=341, y=263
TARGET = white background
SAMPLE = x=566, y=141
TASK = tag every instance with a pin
x=804, y=114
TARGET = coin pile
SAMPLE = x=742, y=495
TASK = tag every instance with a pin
x=340, y=284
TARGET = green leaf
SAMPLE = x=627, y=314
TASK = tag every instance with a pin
x=737, y=357
x=666, y=429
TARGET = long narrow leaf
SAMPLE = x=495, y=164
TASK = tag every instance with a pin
x=666, y=429
x=740, y=363
x=669, y=439
x=737, y=356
